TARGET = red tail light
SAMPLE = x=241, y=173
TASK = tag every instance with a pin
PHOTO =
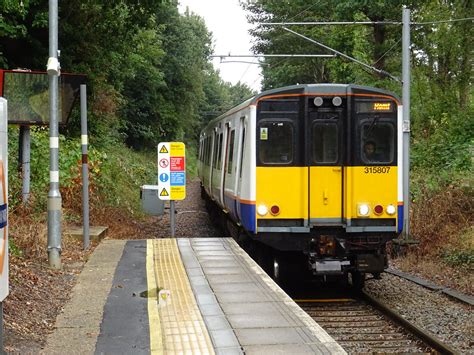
x=274, y=210
x=378, y=210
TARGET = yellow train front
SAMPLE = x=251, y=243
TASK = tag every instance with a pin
x=325, y=178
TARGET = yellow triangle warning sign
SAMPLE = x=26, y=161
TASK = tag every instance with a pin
x=163, y=149
x=164, y=193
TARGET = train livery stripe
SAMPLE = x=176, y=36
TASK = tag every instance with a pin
x=248, y=219
x=327, y=94
x=400, y=217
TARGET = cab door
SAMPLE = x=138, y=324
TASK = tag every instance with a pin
x=324, y=137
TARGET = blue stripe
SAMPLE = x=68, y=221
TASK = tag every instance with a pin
x=3, y=215
x=230, y=204
x=248, y=218
x=400, y=218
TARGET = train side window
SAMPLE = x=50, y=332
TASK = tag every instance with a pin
x=208, y=146
x=325, y=143
x=275, y=142
x=377, y=143
x=231, y=152
x=219, y=158
x=242, y=152
x=214, y=156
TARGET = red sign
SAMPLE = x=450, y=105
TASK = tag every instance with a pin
x=177, y=164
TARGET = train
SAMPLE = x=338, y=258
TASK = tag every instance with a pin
x=308, y=176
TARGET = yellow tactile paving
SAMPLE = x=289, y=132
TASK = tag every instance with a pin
x=156, y=336
x=181, y=328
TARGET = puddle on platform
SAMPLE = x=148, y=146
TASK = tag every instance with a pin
x=153, y=291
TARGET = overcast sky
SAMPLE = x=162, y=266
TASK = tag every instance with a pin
x=228, y=24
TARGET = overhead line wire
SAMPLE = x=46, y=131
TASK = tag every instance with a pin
x=383, y=55
x=442, y=21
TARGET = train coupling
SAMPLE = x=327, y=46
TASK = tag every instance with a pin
x=327, y=266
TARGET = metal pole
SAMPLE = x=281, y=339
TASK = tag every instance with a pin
x=85, y=168
x=54, y=196
x=406, y=121
x=25, y=161
x=172, y=219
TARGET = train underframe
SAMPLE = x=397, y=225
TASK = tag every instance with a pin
x=324, y=253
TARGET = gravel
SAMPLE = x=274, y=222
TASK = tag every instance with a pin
x=192, y=219
x=449, y=320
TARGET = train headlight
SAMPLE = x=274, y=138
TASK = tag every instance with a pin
x=262, y=210
x=391, y=210
x=363, y=209
x=336, y=101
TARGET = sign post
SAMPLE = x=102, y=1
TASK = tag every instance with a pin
x=172, y=176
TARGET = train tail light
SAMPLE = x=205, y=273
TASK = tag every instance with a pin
x=378, y=210
x=275, y=210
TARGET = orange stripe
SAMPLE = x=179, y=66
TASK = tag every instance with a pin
x=235, y=197
x=400, y=203
x=325, y=94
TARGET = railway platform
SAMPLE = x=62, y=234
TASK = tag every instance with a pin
x=182, y=296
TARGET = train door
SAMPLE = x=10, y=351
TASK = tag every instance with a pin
x=226, y=161
x=324, y=138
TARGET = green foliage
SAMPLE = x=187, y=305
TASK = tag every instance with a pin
x=13, y=249
x=120, y=173
x=463, y=258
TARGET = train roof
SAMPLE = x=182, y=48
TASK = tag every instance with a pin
x=323, y=89
x=308, y=89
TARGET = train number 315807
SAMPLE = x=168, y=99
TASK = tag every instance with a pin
x=377, y=169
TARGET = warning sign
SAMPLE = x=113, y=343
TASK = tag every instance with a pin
x=171, y=171
x=164, y=163
x=177, y=164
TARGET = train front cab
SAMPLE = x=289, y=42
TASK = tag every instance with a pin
x=328, y=181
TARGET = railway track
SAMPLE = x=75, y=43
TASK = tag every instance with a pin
x=364, y=325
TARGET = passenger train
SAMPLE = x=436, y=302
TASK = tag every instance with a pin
x=308, y=175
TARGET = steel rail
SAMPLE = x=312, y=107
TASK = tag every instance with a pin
x=428, y=338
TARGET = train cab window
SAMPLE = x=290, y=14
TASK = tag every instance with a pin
x=377, y=143
x=275, y=142
x=325, y=143
x=231, y=152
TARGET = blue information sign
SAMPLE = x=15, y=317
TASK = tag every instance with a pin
x=177, y=179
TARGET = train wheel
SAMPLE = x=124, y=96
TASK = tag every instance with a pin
x=357, y=280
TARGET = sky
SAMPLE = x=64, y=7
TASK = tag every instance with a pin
x=228, y=24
